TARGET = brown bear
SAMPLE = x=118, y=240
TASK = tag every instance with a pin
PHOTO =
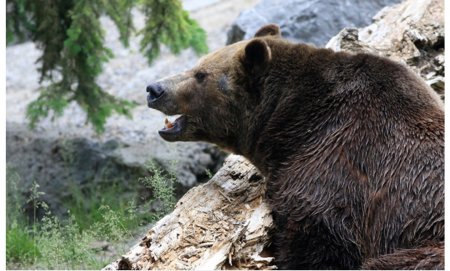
x=352, y=146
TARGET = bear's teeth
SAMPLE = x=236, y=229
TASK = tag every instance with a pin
x=168, y=124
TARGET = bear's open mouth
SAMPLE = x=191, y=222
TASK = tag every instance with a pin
x=173, y=129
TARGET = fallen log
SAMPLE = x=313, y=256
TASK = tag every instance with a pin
x=222, y=224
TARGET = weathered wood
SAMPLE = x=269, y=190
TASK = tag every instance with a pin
x=222, y=224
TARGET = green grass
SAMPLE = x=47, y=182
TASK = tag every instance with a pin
x=64, y=246
x=20, y=244
x=94, y=200
x=96, y=215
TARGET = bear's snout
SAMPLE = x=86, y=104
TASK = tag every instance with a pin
x=155, y=91
x=162, y=98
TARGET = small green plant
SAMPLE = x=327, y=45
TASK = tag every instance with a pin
x=64, y=246
x=20, y=244
x=111, y=226
x=13, y=197
x=163, y=188
x=208, y=173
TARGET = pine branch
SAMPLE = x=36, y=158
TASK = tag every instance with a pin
x=167, y=23
x=71, y=38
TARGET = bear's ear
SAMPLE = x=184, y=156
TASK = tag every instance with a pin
x=269, y=30
x=257, y=55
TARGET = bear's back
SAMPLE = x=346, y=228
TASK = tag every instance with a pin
x=358, y=150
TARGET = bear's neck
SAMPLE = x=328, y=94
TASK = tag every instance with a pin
x=286, y=120
x=278, y=133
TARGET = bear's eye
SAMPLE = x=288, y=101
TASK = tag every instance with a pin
x=200, y=76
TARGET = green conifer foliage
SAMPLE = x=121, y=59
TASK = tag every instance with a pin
x=170, y=25
x=17, y=25
x=71, y=38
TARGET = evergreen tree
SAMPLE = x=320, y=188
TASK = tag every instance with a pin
x=73, y=52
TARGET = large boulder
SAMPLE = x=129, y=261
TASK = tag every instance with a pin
x=311, y=21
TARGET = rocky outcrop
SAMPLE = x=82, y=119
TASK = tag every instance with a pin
x=224, y=224
x=305, y=20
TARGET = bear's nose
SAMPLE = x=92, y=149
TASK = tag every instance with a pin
x=155, y=91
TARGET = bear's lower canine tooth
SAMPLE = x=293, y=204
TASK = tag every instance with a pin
x=168, y=124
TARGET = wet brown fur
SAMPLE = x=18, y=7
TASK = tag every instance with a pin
x=352, y=147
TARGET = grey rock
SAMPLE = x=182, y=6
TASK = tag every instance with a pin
x=64, y=165
x=309, y=21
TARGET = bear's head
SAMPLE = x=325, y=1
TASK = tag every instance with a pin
x=216, y=97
